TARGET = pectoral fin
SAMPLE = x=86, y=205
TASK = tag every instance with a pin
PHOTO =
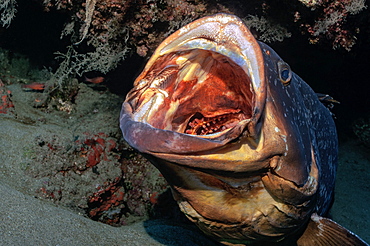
x=325, y=232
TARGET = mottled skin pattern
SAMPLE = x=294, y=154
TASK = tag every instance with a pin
x=297, y=105
x=269, y=166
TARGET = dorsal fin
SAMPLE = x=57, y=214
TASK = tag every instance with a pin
x=325, y=232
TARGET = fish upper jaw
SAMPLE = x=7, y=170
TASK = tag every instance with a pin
x=224, y=34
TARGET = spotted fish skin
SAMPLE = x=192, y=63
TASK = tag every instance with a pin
x=248, y=149
x=309, y=124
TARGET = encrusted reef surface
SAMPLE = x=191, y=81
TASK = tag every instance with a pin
x=73, y=155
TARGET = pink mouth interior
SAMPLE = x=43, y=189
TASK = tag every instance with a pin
x=208, y=93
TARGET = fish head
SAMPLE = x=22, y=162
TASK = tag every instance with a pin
x=201, y=82
x=207, y=111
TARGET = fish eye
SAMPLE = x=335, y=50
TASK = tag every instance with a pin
x=285, y=73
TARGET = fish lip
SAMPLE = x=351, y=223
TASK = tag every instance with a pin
x=227, y=35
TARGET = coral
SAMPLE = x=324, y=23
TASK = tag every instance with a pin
x=103, y=32
x=142, y=182
x=104, y=58
x=96, y=147
x=107, y=204
x=133, y=193
x=6, y=104
x=99, y=38
x=155, y=20
x=322, y=21
x=90, y=7
x=311, y=3
x=331, y=22
x=8, y=11
x=268, y=31
x=95, y=174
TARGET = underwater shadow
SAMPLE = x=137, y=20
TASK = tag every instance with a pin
x=173, y=233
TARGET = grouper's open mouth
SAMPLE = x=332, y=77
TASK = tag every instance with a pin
x=197, y=92
x=203, y=80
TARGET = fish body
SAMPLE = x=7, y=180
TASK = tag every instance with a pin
x=248, y=149
x=36, y=86
x=95, y=80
